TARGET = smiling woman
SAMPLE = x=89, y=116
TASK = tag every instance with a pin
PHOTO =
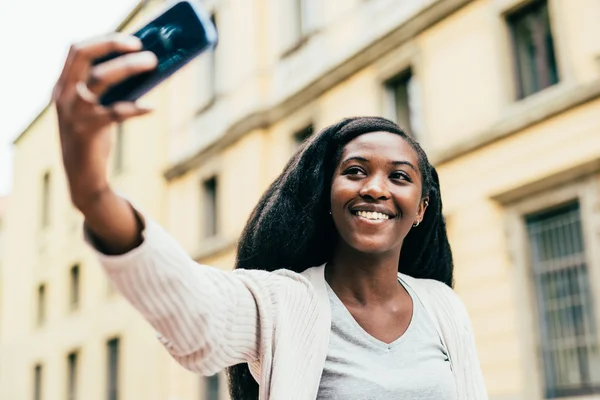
x=342, y=287
x=361, y=200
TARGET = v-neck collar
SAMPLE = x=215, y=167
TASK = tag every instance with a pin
x=316, y=275
x=380, y=344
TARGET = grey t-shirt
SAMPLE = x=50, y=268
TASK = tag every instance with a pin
x=361, y=367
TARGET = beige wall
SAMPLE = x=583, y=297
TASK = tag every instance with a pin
x=3, y=210
x=498, y=158
x=36, y=255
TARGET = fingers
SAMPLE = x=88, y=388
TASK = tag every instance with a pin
x=111, y=72
x=121, y=111
x=96, y=117
x=79, y=113
x=78, y=63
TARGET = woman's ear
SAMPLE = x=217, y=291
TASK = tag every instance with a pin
x=422, y=208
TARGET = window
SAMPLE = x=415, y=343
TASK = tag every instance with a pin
x=119, y=151
x=74, y=287
x=112, y=389
x=297, y=21
x=212, y=69
x=304, y=12
x=300, y=19
x=301, y=135
x=208, y=68
x=533, y=47
x=41, y=305
x=211, y=387
x=45, y=221
x=37, y=382
x=403, y=97
x=569, y=347
x=210, y=187
x=72, y=376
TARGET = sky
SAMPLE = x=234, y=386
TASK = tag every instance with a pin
x=35, y=40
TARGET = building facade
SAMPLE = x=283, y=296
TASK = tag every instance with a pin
x=511, y=86
x=65, y=333
x=3, y=208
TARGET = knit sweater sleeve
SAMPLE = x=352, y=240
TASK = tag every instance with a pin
x=469, y=368
x=473, y=374
x=207, y=318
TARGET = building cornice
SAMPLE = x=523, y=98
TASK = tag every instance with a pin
x=550, y=105
x=373, y=51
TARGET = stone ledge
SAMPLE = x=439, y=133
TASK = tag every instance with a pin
x=263, y=118
x=527, y=114
x=553, y=180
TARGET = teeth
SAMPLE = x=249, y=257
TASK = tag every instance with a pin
x=372, y=215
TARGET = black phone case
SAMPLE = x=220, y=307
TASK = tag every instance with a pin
x=175, y=37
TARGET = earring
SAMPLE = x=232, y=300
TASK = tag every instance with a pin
x=330, y=212
x=416, y=224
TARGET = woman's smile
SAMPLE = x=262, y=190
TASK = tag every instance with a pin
x=376, y=193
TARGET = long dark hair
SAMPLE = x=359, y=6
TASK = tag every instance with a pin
x=291, y=227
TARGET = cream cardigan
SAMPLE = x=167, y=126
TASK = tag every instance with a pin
x=278, y=322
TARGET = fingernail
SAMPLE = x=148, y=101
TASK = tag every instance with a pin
x=133, y=41
x=147, y=58
x=144, y=107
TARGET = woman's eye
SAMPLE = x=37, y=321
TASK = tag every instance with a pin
x=399, y=175
x=354, y=171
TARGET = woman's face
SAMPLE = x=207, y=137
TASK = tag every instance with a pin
x=376, y=192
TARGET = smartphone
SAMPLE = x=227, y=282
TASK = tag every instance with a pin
x=176, y=36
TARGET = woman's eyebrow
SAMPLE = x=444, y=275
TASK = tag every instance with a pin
x=405, y=163
x=362, y=159
x=355, y=158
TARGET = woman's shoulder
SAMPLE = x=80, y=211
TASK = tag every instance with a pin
x=279, y=281
x=287, y=294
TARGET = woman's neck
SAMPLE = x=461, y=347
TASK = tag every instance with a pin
x=364, y=278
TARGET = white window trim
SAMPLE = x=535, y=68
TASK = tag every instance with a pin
x=587, y=191
x=500, y=9
x=207, y=247
x=406, y=57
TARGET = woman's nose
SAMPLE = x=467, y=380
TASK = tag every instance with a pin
x=375, y=188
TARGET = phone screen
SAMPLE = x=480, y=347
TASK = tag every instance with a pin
x=175, y=37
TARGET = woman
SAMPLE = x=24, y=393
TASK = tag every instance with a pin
x=342, y=288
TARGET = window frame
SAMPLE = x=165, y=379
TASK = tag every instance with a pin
x=74, y=287
x=518, y=92
x=391, y=87
x=213, y=61
x=297, y=22
x=212, y=231
x=407, y=58
x=72, y=375
x=38, y=381
x=206, y=388
x=41, y=311
x=46, y=206
x=109, y=387
x=208, y=66
x=585, y=190
x=536, y=224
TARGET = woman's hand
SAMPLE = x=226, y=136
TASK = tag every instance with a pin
x=84, y=124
